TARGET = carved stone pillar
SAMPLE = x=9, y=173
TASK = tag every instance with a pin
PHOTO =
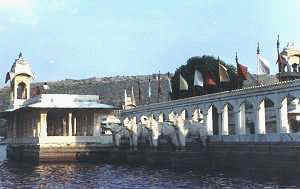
x=208, y=120
x=43, y=124
x=224, y=121
x=70, y=124
x=282, y=117
x=240, y=123
x=74, y=126
x=260, y=122
x=96, y=125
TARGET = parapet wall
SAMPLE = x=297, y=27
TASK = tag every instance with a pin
x=277, y=154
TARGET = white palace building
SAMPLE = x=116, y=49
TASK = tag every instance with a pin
x=49, y=126
x=263, y=113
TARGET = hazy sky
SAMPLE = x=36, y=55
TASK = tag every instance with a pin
x=85, y=38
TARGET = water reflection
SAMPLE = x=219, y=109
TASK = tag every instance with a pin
x=97, y=175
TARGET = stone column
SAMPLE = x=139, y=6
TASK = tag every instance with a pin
x=282, y=117
x=240, y=120
x=64, y=124
x=74, y=126
x=224, y=116
x=96, y=125
x=43, y=122
x=70, y=124
x=260, y=122
x=208, y=120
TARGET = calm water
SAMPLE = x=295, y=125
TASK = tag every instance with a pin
x=88, y=175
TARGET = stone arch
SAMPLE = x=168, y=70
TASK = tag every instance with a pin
x=197, y=114
x=231, y=119
x=270, y=116
x=21, y=91
x=293, y=113
x=249, y=116
x=214, y=119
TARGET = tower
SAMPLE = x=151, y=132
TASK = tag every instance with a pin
x=20, y=77
x=288, y=62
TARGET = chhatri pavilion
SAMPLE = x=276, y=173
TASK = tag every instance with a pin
x=52, y=126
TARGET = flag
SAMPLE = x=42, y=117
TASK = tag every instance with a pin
x=183, y=85
x=263, y=65
x=223, y=73
x=210, y=80
x=242, y=71
x=198, y=79
x=149, y=88
x=132, y=97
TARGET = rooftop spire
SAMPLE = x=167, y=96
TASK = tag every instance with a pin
x=20, y=55
x=278, y=43
x=258, y=50
x=236, y=58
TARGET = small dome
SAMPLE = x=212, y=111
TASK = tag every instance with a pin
x=20, y=66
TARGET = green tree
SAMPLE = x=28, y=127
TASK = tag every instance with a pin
x=203, y=64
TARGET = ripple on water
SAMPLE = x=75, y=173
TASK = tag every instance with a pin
x=97, y=175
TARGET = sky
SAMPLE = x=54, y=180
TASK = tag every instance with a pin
x=76, y=39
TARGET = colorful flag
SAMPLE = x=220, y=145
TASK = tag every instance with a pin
x=183, y=85
x=263, y=65
x=223, y=73
x=210, y=80
x=198, y=79
x=242, y=71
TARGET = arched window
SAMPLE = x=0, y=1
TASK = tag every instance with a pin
x=21, y=91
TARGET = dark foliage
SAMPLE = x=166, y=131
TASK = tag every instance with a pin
x=203, y=64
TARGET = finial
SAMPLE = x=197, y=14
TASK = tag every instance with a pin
x=236, y=58
x=258, y=50
x=278, y=43
x=20, y=55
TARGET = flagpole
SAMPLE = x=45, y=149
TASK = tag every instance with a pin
x=139, y=91
x=158, y=89
x=237, y=70
x=219, y=84
x=257, y=62
x=279, y=58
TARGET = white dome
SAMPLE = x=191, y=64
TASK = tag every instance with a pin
x=20, y=66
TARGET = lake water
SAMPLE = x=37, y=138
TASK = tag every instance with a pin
x=101, y=175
